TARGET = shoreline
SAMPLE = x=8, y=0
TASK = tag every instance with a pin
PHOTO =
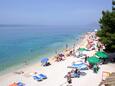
x=37, y=59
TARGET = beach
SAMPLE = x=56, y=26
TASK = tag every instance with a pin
x=57, y=43
x=56, y=72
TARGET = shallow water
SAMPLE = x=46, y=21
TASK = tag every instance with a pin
x=20, y=44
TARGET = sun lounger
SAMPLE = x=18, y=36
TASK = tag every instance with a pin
x=42, y=76
x=80, y=66
x=20, y=84
x=37, y=78
x=17, y=84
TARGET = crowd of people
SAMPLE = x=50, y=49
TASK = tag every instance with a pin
x=93, y=43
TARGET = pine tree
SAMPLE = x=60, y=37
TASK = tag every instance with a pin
x=107, y=31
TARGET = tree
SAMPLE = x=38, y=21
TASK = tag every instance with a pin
x=107, y=30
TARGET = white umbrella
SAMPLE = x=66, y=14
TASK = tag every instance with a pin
x=95, y=30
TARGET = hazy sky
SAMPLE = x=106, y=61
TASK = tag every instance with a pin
x=52, y=12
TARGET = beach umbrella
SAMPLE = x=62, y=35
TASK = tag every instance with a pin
x=93, y=60
x=44, y=60
x=95, y=30
x=101, y=54
x=82, y=49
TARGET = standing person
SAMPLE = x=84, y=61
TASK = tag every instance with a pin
x=68, y=76
x=86, y=58
x=95, y=68
x=66, y=47
x=102, y=47
x=77, y=72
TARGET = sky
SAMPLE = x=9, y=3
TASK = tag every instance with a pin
x=52, y=12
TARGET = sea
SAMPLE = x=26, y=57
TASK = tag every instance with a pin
x=20, y=44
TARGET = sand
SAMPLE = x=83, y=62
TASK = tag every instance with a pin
x=56, y=72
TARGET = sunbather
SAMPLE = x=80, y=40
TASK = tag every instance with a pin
x=60, y=57
x=13, y=84
x=20, y=72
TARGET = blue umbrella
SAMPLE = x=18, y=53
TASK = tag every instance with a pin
x=44, y=60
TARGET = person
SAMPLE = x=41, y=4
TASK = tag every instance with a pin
x=90, y=66
x=35, y=73
x=102, y=47
x=57, y=58
x=72, y=73
x=77, y=72
x=71, y=52
x=98, y=68
x=95, y=68
x=13, y=84
x=68, y=76
x=66, y=47
x=86, y=58
x=61, y=57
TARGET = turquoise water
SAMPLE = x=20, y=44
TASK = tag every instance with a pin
x=30, y=43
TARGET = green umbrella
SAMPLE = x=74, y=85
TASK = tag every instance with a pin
x=82, y=49
x=93, y=60
x=101, y=54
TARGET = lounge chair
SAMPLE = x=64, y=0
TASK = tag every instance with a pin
x=17, y=84
x=79, y=65
x=42, y=76
x=20, y=84
x=37, y=78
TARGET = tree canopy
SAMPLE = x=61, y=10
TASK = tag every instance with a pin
x=107, y=30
